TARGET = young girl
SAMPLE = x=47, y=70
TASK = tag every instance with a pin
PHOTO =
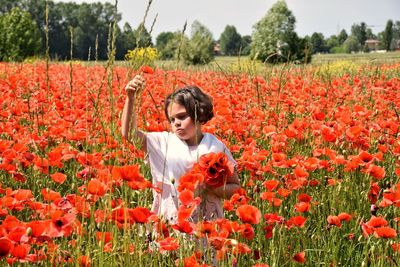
x=172, y=154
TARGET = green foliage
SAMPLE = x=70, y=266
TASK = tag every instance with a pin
x=246, y=45
x=351, y=44
x=331, y=43
x=360, y=32
x=91, y=24
x=342, y=36
x=19, y=36
x=274, y=38
x=230, y=41
x=143, y=37
x=388, y=35
x=167, y=44
x=199, y=49
x=126, y=40
x=370, y=34
x=337, y=50
x=318, y=43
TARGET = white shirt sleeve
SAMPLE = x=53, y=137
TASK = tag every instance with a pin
x=156, y=149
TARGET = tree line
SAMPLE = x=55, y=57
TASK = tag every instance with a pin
x=84, y=31
x=356, y=41
x=81, y=30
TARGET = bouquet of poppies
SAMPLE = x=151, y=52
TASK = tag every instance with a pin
x=216, y=168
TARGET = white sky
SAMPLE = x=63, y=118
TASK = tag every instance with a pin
x=325, y=16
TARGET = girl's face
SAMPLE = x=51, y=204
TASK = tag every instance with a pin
x=182, y=125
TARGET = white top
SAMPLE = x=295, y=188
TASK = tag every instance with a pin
x=170, y=158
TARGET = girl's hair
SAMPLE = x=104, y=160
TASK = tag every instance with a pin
x=198, y=104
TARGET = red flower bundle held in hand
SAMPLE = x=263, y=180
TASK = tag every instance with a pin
x=216, y=169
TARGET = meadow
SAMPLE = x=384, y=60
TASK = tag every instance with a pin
x=317, y=147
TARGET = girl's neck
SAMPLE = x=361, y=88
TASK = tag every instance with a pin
x=195, y=140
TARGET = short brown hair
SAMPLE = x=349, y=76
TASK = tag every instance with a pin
x=198, y=104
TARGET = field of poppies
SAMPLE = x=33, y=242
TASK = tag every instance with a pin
x=318, y=152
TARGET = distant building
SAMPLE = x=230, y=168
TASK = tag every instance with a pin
x=396, y=44
x=373, y=45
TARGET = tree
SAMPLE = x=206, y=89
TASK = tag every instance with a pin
x=7, y=5
x=360, y=32
x=370, y=34
x=388, y=35
x=230, y=41
x=342, y=36
x=126, y=40
x=164, y=44
x=351, y=44
x=143, y=37
x=274, y=38
x=396, y=30
x=199, y=49
x=19, y=36
x=318, y=43
x=245, y=45
x=396, y=36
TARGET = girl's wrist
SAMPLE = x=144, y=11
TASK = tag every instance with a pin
x=131, y=95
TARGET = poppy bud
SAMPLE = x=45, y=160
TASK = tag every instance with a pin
x=172, y=180
x=374, y=209
x=28, y=231
x=234, y=242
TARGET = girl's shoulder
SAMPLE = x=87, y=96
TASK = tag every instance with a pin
x=212, y=140
x=156, y=137
x=157, y=134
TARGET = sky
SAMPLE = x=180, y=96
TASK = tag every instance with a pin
x=323, y=16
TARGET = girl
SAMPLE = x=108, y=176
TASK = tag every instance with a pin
x=172, y=154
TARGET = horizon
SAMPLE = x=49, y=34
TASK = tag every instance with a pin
x=312, y=16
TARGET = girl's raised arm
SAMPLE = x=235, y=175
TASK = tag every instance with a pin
x=133, y=89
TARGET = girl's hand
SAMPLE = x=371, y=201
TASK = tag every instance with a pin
x=135, y=86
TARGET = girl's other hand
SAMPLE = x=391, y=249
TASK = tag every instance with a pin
x=135, y=86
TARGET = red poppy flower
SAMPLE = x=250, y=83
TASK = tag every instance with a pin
x=58, y=177
x=187, y=197
x=248, y=214
x=105, y=237
x=302, y=206
x=5, y=247
x=20, y=251
x=50, y=195
x=190, y=181
x=168, y=244
x=247, y=231
x=271, y=184
x=127, y=173
x=304, y=197
x=62, y=224
x=184, y=227
x=396, y=247
x=147, y=69
x=334, y=220
x=298, y=221
x=300, y=257
x=385, y=232
x=96, y=187
x=344, y=217
x=84, y=261
x=376, y=171
x=377, y=222
x=140, y=214
x=216, y=168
